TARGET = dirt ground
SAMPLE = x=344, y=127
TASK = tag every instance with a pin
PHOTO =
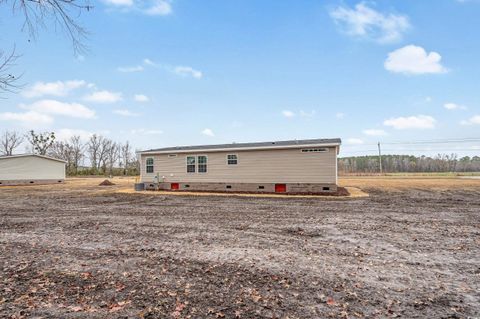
x=411, y=249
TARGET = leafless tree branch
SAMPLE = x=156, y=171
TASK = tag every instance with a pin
x=37, y=14
x=63, y=13
x=8, y=81
x=9, y=141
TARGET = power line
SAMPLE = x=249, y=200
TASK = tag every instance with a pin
x=409, y=150
x=435, y=141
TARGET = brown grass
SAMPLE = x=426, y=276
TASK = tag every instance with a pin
x=392, y=183
x=357, y=186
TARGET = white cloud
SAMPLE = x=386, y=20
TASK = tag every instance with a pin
x=104, y=97
x=28, y=119
x=413, y=59
x=58, y=88
x=138, y=68
x=125, y=112
x=143, y=131
x=374, y=132
x=340, y=115
x=180, y=70
x=307, y=114
x=474, y=120
x=366, y=22
x=141, y=98
x=159, y=7
x=454, y=106
x=65, y=134
x=301, y=113
x=148, y=7
x=411, y=122
x=130, y=69
x=120, y=3
x=288, y=113
x=149, y=62
x=208, y=132
x=354, y=141
x=54, y=107
x=187, y=71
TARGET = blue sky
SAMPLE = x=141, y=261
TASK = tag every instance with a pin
x=163, y=73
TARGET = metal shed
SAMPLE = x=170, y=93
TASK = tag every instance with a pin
x=27, y=169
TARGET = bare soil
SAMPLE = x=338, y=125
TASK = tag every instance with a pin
x=106, y=183
x=80, y=250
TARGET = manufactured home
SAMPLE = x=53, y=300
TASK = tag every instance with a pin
x=297, y=166
x=27, y=169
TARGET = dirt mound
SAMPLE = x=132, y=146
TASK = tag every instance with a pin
x=341, y=191
x=106, y=183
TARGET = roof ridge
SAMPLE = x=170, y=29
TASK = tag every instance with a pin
x=32, y=154
x=268, y=144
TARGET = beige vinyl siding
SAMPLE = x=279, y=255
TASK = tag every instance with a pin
x=31, y=168
x=254, y=166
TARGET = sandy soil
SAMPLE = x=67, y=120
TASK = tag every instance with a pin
x=83, y=251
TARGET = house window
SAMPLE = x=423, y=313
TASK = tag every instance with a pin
x=315, y=150
x=190, y=164
x=202, y=164
x=149, y=165
x=232, y=159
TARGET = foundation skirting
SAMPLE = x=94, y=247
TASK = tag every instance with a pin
x=25, y=182
x=289, y=188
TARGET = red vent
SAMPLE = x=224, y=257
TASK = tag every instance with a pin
x=280, y=188
x=174, y=186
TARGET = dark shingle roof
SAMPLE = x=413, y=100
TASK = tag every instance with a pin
x=276, y=144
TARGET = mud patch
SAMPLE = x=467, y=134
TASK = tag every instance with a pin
x=77, y=252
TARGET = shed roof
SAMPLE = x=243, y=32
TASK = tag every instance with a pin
x=30, y=155
x=247, y=146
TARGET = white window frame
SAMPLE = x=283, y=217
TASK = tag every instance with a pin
x=194, y=164
x=146, y=165
x=206, y=164
x=228, y=164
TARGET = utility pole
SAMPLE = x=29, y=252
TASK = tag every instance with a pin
x=380, y=158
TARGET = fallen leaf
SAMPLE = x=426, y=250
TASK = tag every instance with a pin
x=330, y=301
x=75, y=308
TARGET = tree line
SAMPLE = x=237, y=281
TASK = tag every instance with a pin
x=408, y=163
x=99, y=155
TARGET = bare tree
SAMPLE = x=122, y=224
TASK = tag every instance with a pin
x=37, y=14
x=9, y=142
x=41, y=142
x=105, y=146
x=62, y=13
x=62, y=151
x=8, y=81
x=93, y=149
x=77, y=152
x=113, y=156
x=98, y=148
x=125, y=157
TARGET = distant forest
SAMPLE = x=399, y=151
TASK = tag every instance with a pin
x=408, y=163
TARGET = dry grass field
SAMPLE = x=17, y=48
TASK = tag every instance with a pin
x=402, y=183
x=78, y=250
